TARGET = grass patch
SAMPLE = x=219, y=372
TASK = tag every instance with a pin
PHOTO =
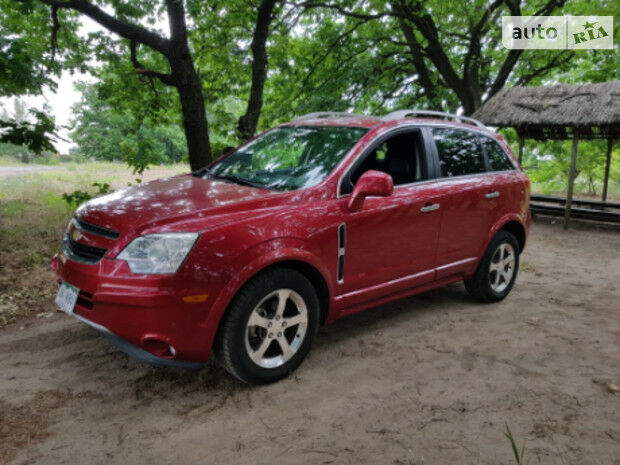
x=580, y=190
x=33, y=218
x=518, y=455
x=12, y=208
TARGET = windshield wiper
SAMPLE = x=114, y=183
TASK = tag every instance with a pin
x=201, y=172
x=238, y=180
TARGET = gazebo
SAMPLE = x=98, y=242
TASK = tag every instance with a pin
x=560, y=112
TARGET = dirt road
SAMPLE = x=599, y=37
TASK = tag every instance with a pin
x=428, y=380
x=8, y=171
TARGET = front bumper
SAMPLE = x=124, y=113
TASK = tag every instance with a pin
x=135, y=310
x=137, y=352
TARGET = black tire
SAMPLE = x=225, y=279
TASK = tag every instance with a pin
x=480, y=286
x=230, y=346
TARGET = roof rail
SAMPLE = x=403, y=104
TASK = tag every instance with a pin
x=327, y=114
x=440, y=114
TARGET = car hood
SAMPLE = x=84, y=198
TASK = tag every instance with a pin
x=171, y=200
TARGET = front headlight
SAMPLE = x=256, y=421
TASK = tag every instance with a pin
x=158, y=253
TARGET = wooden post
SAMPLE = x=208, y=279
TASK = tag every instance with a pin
x=610, y=144
x=521, y=143
x=571, y=179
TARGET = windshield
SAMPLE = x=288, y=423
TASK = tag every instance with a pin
x=289, y=157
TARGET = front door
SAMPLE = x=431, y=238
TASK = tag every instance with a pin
x=390, y=243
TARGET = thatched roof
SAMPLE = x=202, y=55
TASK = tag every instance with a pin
x=591, y=110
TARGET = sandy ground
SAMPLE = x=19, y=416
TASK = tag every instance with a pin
x=428, y=380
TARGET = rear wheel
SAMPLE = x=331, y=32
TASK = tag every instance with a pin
x=497, y=270
x=269, y=327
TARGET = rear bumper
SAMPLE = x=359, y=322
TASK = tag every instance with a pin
x=140, y=312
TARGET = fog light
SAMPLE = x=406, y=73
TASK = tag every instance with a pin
x=158, y=347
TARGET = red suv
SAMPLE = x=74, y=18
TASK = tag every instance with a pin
x=306, y=223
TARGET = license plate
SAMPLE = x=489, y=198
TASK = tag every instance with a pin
x=66, y=297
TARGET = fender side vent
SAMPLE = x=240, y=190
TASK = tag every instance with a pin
x=342, y=241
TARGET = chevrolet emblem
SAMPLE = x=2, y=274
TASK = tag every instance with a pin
x=76, y=235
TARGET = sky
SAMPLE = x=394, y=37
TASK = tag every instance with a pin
x=60, y=104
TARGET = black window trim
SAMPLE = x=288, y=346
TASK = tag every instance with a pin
x=426, y=162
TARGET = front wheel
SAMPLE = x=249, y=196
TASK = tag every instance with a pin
x=497, y=271
x=270, y=326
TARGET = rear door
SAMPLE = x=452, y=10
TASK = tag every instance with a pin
x=463, y=188
x=507, y=191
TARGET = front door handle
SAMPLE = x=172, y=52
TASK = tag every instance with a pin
x=429, y=208
x=492, y=195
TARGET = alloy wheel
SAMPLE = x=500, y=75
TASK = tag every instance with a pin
x=502, y=267
x=276, y=328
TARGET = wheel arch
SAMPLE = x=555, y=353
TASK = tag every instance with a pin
x=298, y=260
x=312, y=274
x=516, y=229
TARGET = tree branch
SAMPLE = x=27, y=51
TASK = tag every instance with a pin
x=417, y=59
x=329, y=49
x=54, y=37
x=514, y=55
x=143, y=71
x=474, y=42
x=555, y=62
x=176, y=20
x=124, y=29
x=503, y=73
x=249, y=120
x=353, y=14
x=422, y=20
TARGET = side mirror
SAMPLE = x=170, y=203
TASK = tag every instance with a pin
x=371, y=183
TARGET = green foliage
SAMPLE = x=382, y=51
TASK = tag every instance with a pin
x=29, y=61
x=78, y=197
x=102, y=133
x=547, y=164
x=35, y=136
x=336, y=62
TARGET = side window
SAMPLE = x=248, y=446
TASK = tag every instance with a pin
x=498, y=159
x=459, y=152
x=400, y=156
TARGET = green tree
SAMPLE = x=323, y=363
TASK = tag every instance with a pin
x=135, y=22
x=169, y=59
x=104, y=134
x=373, y=56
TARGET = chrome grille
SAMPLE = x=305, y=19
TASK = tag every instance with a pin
x=82, y=253
x=97, y=230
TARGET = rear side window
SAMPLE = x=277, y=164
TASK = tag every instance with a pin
x=498, y=159
x=459, y=152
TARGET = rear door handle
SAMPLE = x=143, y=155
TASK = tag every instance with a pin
x=492, y=195
x=429, y=208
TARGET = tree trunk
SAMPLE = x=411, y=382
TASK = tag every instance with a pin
x=187, y=82
x=248, y=122
x=194, y=115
